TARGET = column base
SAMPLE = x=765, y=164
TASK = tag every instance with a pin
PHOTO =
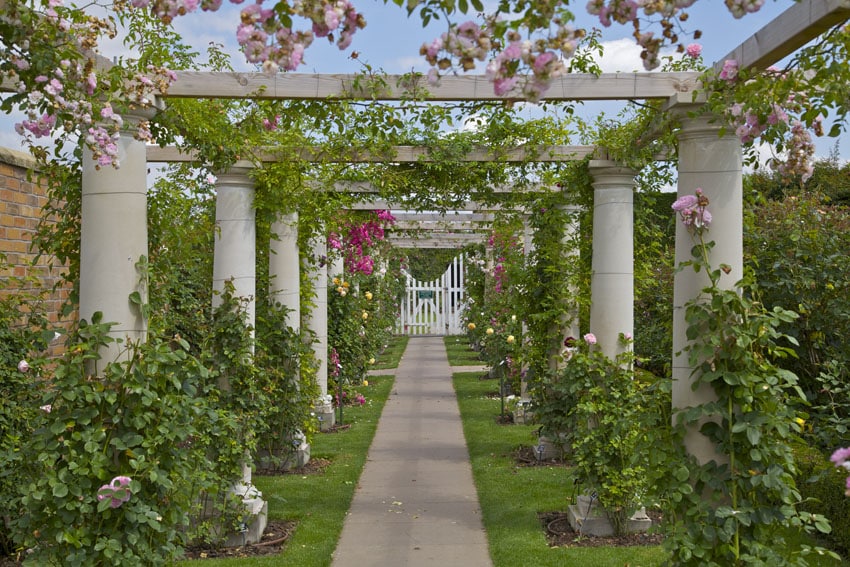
x=588, y=517
x=256, y=511
x=326, y=415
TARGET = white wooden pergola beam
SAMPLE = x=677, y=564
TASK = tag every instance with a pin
x=309, y=86
x=433, y=242
x=440, y=225
x=398, y=154
x=382, y=205
x=790, y=30
x=450, y=216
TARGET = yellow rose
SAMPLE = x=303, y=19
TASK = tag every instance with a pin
x=366, y=382
x=340, y=289
x=365, y=315
x=510, y=339
x=336, y=281
x=346, y=285
x=489, y=330
x=368, y=295
x=371, y=361
x=471, y=326
x=343, y=293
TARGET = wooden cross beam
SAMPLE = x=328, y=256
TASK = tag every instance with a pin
x=309, y=86
x=790, y=30
x=398, y=154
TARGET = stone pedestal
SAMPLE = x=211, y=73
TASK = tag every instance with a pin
x=324, y=410
x=256, y=510
x=549, y=449
x=587, y=517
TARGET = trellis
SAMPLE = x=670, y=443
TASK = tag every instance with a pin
x=114, y=233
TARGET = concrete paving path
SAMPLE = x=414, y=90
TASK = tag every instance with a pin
x=415, y=504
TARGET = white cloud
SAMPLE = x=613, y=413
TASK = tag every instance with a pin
x=623, y=56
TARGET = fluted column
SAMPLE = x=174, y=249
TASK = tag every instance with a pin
x=114, y=237
x=714, y=164
x=612, y=280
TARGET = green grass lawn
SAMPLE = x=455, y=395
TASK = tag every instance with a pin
x=319, y=502
x=459, y=353
x=391, y=356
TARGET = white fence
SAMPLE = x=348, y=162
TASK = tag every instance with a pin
x=434, y=308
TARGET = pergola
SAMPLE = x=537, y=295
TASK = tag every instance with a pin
x=114, y=228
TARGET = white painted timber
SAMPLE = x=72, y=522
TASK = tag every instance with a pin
x=435, y=307
x=793, y=28
x=308, y=86
x=446, y=224
x=398, y=154
x=449, y=216
x=433, y=243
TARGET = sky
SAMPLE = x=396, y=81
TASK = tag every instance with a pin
x=391, y=42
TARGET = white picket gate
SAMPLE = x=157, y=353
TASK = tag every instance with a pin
x=434, y=308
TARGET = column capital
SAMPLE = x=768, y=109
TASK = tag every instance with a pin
x=609, y=174
x=235, y=174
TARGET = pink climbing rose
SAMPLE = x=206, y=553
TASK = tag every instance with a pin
x=117, y=492
x=693, y=50
x=590, y=339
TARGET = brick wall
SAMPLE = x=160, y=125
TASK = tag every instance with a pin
x=21, y=202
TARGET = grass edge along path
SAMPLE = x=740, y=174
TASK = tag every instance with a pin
x=511, y=496
x=319, y=502
x=389, y=359
x=459, y=353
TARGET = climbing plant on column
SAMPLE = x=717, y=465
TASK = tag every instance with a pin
x=736, y=509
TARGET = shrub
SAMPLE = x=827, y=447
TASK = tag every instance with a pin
x=116, y=467
x=822, y=487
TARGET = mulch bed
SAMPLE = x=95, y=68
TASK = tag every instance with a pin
x=316, y=465
x=559, y=533
x=526, y=456
x=273, y=541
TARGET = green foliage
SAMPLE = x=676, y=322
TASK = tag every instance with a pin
x=800, y=247
x=513, y=496
x=822, y=488
x=23, y=334
x=736, y=509
x=148, y=417
x=289, y=385
x=181, y=228
x=610, y=421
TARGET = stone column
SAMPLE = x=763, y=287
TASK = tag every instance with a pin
x=317, y=321
x=114, y=237
x=713, y=163
x=612, y=293
x=568, y=325
x=285, y=288
x=236, y=236
x=284, y=268
x=337, y=267
x=234, y=260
